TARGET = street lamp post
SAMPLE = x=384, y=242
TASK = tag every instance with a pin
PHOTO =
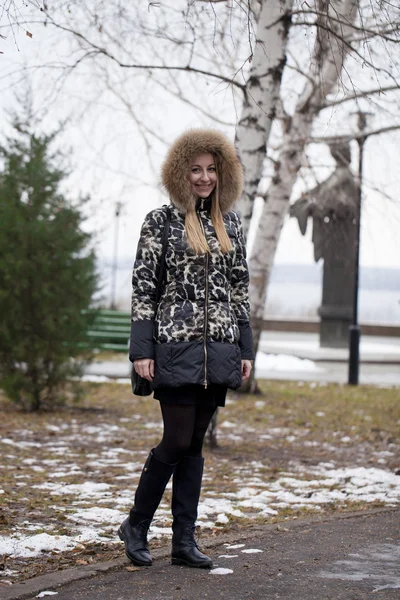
x=115, y=256
x=354, y=329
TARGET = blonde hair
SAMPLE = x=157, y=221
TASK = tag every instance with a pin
x=194, y=231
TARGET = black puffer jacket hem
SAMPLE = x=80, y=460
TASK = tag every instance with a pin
x=182, y=363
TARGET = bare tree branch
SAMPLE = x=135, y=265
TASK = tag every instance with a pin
x=149, y=67
x=362, y=94
x=357, y=135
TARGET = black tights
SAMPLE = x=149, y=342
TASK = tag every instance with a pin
x=184, y=429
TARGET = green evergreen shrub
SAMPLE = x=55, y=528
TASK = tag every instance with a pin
x=47, y=273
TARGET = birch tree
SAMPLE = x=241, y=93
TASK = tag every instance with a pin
x=261, y=95
x=335, y=22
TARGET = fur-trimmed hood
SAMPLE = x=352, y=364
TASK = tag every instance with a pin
x=201, y=141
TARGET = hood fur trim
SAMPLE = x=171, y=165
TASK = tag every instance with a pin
x=200, y=141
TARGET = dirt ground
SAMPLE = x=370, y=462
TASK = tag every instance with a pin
x=280, y=438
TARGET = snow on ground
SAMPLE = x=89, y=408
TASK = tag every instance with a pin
x=284, y=362
x=221, y=571
x=34, y=545
x=93, y=509
x=250, y=496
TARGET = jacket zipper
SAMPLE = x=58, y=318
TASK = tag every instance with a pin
x=206, y=260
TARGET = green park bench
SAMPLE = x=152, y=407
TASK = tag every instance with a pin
x=110, y=331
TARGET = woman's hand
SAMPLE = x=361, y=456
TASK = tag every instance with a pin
x=145, y=368
x=247, y=366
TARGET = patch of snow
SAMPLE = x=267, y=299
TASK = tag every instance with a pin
x=251, y=551
x=257, y=464
x=234, y=546
x=27, y=526
x=383, y=453
x=284, y=362
x=51, y=427
x=20, y=443
x=64, y=473
x=96, y=378
x=9, y=573
x=221, y=518
x=210, y=506
x=113, y=451
x=228, y=424
x=228, y=555
x=89, y=489
x=27, y=546
x=46, y=593
x=60, y=449
x=233, y=437
x=98, y=515
x=220, y=571
x=279, y=431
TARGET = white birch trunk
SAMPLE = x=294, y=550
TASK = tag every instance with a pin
x=325, y=70
x=261, y=97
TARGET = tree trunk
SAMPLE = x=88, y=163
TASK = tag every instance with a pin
x=258, y=112
x=325, y=70
x=211, y=436
x=261, y=97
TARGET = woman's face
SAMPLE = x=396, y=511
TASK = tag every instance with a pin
x=202, y=175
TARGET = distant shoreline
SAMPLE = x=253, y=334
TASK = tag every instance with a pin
x=294, y=292
x=383, y=278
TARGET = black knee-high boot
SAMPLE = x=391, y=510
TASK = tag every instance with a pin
x=133, y=531
x=186, y=486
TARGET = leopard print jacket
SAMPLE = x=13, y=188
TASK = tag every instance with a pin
x=191, y=302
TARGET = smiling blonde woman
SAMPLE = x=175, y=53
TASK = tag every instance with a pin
x=197, y=342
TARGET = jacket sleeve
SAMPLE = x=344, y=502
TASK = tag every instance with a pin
x=144, y=286
x=240, y=293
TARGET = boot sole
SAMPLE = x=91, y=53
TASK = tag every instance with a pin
x=136, y=562
x=180, y=561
